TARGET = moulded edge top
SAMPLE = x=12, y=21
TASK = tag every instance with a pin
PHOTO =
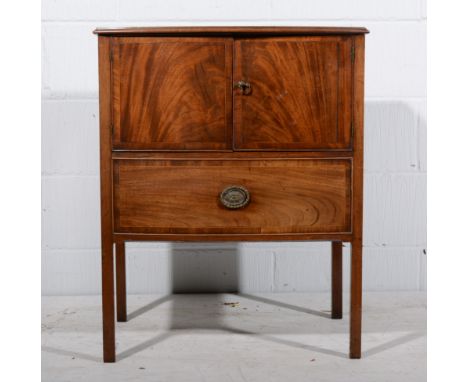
x=229, y=31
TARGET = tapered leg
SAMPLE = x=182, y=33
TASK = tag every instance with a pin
x=356, y=299
x=121, y=282
x=108, y=315
x=337, y=279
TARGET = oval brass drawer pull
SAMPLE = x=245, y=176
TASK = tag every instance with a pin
x=234, y=197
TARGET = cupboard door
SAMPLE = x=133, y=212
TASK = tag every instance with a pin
x=172, y=93
x=297, y=93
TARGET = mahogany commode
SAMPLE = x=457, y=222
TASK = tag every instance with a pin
x=231, y=134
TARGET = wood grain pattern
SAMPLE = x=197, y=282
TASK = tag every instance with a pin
x=337, y=280
x=230, y=237
x=358, y=185
x=107, y=254
x=121, y=282
x=301, y=93
x=172, y=93
x=229, y=31
x=182, y=196
x=234, y=155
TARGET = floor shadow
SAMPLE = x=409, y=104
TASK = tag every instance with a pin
x=148, y=307
x=203, y=268
x=286, y=342
x=143, y=346
x=195, y=268
x=216, y=325
x=70, y=353
x=392, y=344
x=286, y=306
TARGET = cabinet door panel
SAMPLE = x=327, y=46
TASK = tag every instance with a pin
x=301, y=93
x=172, y=93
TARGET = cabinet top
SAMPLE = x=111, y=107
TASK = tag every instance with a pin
x=229, y=31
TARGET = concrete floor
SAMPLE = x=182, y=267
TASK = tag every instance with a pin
x=264, y=338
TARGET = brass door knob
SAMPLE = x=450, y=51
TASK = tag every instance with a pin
x=244, y=86
x=234, y=197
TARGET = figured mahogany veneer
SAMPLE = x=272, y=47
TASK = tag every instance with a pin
x=274, y=115
x=182, y=196
x=172, y=93
x=301, y=93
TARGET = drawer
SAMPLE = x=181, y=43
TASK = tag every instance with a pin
x=183, y=196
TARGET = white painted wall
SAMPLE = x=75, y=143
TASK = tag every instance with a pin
x=395, y=152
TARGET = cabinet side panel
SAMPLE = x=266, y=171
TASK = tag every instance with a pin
x=105, y=135
x=358, y=137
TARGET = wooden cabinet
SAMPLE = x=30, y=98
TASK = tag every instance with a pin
x=231, y=133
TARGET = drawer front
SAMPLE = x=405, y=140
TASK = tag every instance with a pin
x=172, y=93
x=180, y=196
x=299, y=95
